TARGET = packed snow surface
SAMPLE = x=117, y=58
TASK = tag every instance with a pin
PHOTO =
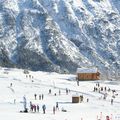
x=11, y=96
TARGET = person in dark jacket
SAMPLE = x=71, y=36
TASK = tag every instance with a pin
x=39, y=97
x=57, y=107
x=37, y=108
x=53, y=109
x=111, y=101
x=42, y=96
x=44, y=108
x=35, y=95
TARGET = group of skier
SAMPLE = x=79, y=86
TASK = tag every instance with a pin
x=36, y=108
x=40, y=97
x=33, y=107
x=105, y=91
x=67, y=91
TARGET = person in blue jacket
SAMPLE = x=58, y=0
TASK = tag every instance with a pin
x=44, y=108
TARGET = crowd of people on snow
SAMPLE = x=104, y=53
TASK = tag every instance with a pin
x=33, y=107
x=105, y=91
x=36, y=108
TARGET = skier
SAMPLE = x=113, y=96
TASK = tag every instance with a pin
x=105, y=89
x=29, y=76
x=98, y=84
x=39, y=97
x=81, y=97
x=44, y=108
x=31, y=106
x=49, y=91
x=66, y=91
x=35, y=95
x=111, y=101
x=42, y=96
x=10, y=84
x=101, y=88
x=109, y=89
x=87, y=99
x=24, y=102
x=57, y=108
x=94, y=89
x=53, y=109
x=77, y=82
x=59, y=92
x=34, y=108
x=37, y=108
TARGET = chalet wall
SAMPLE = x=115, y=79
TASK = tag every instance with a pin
x=88, y=76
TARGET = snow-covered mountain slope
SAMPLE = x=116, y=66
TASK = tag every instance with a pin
x=60, y=35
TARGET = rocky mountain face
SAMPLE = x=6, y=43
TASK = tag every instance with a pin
x=60, y=35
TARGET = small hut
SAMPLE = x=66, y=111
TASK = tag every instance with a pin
x=88, y=74
x=75, y=99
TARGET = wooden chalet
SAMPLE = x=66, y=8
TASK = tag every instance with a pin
x=88, y=74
